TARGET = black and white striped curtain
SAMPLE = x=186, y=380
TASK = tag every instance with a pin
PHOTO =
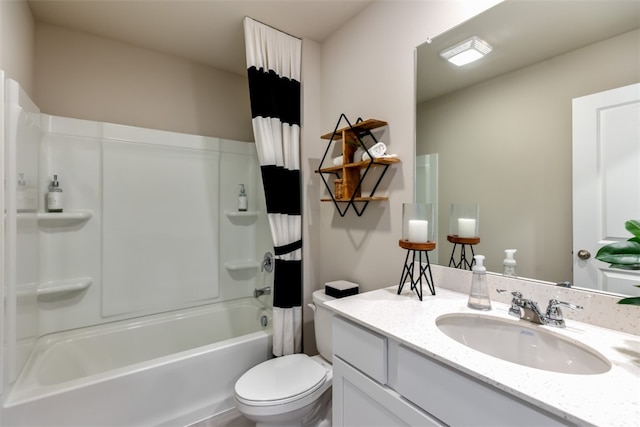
x=273, y=66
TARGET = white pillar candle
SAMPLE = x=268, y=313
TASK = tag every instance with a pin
x=466, y=227
x=418, y=231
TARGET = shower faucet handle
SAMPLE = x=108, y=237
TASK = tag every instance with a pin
x=267, y=262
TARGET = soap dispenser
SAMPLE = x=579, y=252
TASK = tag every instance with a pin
x=54, y=196
x=509, y=263
x=26, y=197
x=479, y=293
x=242, y=199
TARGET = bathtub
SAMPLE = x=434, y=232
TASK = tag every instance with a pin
x=168, y=369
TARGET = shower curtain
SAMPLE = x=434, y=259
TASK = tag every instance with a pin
x=273, y=67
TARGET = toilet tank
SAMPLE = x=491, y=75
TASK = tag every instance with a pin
x=322, y=318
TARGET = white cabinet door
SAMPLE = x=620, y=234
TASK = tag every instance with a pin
x=606, y=183
x=358, y=401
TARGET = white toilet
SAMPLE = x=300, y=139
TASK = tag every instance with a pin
x=292, y=390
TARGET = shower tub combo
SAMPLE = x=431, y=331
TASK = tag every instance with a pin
x=164, y=323
x=164, y=370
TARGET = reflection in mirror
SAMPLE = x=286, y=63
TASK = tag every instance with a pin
x=498, y=132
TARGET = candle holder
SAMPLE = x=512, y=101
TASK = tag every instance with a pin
x=464, y=222
x=417, y=222
x=417, y=239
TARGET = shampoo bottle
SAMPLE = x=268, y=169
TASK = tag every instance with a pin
x=479, y=293
x=26, y=197
x=21, y=193
x=242, y=199
x=54, y=196
x=509, y=263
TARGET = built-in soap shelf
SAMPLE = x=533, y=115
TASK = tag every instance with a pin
x=241, y=265
x=242, y=217
x=60, y=288
x=57, y=219
x=63, y=219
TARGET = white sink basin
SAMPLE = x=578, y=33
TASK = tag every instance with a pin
x=525, y=344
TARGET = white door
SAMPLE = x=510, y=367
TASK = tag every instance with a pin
x=606, y=183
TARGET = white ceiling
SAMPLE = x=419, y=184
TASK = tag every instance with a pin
x=206, y=31
x=522, y=33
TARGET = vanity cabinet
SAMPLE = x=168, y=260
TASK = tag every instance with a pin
x=379, y=382
x=361, y=396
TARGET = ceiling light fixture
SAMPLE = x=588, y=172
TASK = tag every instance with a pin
x=468, y=51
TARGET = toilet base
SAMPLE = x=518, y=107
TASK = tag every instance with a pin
x=316, y=414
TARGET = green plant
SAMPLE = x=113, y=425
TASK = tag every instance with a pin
x=624, y=255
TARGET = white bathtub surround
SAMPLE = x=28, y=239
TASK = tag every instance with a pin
x=167, y=369
x=158, y=200
x=609, y=399
x=143, y=232
x=156, y=234
x=20, y=240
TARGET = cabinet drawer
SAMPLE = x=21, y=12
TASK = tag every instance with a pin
x=360, y=347
x=460, y=400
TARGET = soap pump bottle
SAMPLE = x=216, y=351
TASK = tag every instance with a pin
x=479, y=293
x=21, y=194
x=54, y=196
x=242, y=199
x=509, y=263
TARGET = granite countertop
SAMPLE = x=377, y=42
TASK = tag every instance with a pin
x=609, y=399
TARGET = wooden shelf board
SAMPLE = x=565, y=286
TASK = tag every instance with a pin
x=360, y=165
x=331, y=169
x=363, y=125
x=376, y=161
x=358, y=199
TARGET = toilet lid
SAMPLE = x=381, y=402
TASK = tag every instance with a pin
x=281, y=380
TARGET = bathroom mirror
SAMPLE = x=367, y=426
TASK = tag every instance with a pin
x=498, y=131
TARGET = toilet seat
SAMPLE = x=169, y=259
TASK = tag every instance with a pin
x=280, y=381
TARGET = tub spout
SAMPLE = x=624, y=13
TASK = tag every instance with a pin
x=261, y=291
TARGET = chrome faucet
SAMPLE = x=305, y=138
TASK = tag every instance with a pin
x=527, y=309
x=267, y=263
x=554, y=314
x=261, y=291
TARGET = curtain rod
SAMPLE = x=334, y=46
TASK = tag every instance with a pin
x=273, y=28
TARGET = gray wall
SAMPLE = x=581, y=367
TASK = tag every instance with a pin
x=88, y=77
x=17, y=43
x=75, y=74
x=506, y=144
x=368, y=71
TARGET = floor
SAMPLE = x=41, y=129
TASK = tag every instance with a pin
x=231, y=418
